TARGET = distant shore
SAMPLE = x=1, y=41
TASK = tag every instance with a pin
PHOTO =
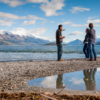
x=15, y=75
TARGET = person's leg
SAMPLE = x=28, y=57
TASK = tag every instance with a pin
x=87, y=51
x=90, y=50
x=58, y=53
x=94, y=52
x=59, y=50
x=84, y=50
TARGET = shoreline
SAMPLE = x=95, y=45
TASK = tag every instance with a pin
x=15, y=75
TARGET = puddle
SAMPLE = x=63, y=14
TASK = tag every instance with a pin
x=80, y=80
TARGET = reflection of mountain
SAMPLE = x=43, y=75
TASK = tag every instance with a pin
x=12, y=39
x=59, y=83
x=89, y=79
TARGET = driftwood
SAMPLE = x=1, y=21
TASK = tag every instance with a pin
x=50, y=98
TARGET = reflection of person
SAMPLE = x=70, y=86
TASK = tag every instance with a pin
x=59, y=82
x=59, y=39
x=89, y=79
x=85, y=49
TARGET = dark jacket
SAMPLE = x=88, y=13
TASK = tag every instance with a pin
x=58, y=34
x=86, y=39
x=91, y=35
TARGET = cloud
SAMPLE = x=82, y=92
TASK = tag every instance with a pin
x=12, y=16
x=79, y=25
x=50, y=8
x=65, y=23
x=52, y=21
x=6, y=22
x=93, y=21
x=15, y=3
x=75, y=33
x=78, y=9
x=23, y=32
x=29, y=22
x=31, y=19
x=76, y=81
x=49, y=82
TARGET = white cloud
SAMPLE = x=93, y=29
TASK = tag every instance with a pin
x=50, y=8
x=29, y=22
x=24, y=32
x=93, y=21
x=12, y=16
x=78, y=9
x=52, y=21
x=6, y=22
x=76, y=81
x=79, y=25
x=65, y=23
x=7, y=16
x=75, y=33
x=15, y=3
x=49, y=82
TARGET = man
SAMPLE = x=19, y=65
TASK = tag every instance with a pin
x=91, y=44
x=59, y=39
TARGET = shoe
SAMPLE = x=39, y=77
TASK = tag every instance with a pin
x=87, y=58
x=61, y=60
x=95, y=59
x=90, y=60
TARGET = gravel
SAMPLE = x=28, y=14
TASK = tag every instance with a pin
x=15, y=75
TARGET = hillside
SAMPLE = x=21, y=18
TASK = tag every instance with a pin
x=12, y=39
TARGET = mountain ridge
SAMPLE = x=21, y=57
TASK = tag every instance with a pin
x=12, y=39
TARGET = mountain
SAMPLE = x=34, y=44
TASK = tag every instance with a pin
x=75, y=42
x=8, y=38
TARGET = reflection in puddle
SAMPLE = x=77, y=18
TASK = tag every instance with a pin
x=81, y=80
x=89, y=79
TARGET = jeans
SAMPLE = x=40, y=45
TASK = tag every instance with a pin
x=91, y=47
x=59, y=50
x=85, y=50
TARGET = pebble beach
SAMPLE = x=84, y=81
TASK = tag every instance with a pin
x=14, y=75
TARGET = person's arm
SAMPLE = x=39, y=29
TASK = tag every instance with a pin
x=59, y=35
x=87, y=35
x=63, y=30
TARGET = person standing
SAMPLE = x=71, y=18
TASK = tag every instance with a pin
x=59, y=39
x=91, y=44
x=85, y=48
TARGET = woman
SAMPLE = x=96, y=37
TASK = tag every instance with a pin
x=85, y=49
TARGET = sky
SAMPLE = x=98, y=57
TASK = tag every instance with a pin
x=40, y=18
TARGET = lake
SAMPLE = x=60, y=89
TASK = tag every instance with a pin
x=39, y=52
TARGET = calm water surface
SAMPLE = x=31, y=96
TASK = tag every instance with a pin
x=81, y=80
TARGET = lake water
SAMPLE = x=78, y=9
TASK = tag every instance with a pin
x=80, y=80
x=26, y=53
